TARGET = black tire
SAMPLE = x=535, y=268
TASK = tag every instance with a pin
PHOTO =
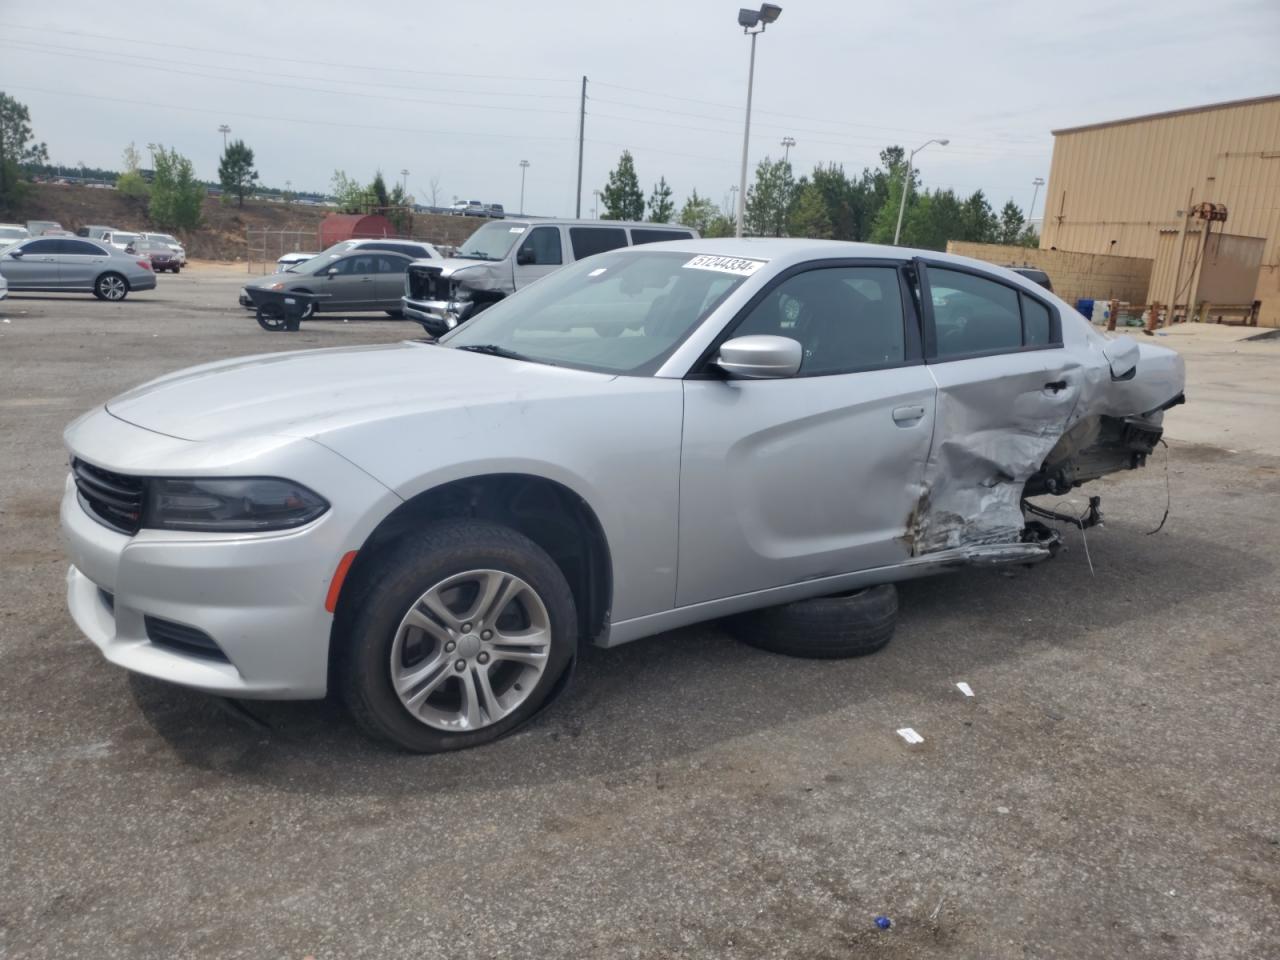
x=392, y=585
x=271, y=317
x=176, y=269
x=112, y=287
x=395, y=314
x=847, y=625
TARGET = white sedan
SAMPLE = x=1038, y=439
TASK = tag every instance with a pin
x=648, y=438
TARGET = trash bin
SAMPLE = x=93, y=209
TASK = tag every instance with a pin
x=1085, y=306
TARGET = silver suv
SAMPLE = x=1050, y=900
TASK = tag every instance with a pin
x=502, y=257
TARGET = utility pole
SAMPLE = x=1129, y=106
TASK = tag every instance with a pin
x=404, y=182
x=524, y=166
x=582, y=130
x=1037, y=183
x=787, y=144
x=224, y=130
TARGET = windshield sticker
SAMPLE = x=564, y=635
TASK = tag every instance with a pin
x=597, y=271
x=516, y=230
x=738, y=266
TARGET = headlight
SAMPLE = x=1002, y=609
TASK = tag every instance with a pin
x=232, y=505
x=276, y=286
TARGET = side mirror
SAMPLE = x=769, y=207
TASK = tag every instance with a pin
x=525, y=258
x=16, y=254
x=331, y=272
x=760, y=357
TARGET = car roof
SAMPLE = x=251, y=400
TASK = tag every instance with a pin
x=533, y=221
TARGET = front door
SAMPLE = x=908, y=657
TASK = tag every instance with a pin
x=349, y=284
x=815, y=475
x=36, y=268
x=540, y=252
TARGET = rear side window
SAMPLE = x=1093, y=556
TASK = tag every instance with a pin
x=1037, y=329
x=973, y=315
x=80, y=248
x=588, y=241
x=641, y=235
x=541, y=248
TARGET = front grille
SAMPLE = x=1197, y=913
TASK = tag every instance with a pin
x=426, y=283
x=183, y=639
x=112, y=499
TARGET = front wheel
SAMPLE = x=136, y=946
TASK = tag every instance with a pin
x=463, y=633
x=111, y=287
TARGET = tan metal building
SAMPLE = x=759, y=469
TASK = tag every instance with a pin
x=1129, y=188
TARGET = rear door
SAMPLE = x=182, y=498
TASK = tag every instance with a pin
x=79, y=263
x=541, y=251
x=1006, y=391
x=389, y=279
x=36, y=268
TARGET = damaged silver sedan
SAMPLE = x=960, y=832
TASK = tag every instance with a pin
x=773, y=431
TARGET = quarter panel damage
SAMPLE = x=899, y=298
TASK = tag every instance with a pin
x=998, y=439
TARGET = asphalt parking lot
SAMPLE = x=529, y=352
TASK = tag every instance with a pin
x=1111, y=790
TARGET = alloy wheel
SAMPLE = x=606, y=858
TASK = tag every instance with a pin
x=470, y=650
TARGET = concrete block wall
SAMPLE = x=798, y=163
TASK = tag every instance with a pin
x=1074, y=275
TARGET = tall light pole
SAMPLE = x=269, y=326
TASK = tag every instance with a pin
x=404, y=182
x=906, y=184
x=1038, y=182
x=596, y=214
x=753, y=23
x=524, y=165
x=224, y=130
x=787, y=144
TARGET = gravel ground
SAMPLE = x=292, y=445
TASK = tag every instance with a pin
x=1110, y=791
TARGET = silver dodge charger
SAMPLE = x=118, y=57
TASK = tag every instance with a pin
x=773, y=431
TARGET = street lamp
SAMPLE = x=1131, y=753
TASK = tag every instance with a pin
x=404, y=182
x=906, y=184
x=753, y=23
x=787, y=144
x=224, y=130
x=1038, y=182
x=524, y=165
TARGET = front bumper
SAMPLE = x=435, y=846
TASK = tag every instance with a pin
x=437, y=316
x=244, y=299
x=259, y=597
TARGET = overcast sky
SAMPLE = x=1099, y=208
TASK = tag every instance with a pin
x=462, y=91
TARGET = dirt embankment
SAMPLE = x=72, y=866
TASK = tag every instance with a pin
x=224, y=230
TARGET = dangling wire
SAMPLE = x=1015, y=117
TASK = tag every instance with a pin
x=1168, y=492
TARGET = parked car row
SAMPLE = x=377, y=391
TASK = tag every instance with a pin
x=474, y=208
x=141, y=243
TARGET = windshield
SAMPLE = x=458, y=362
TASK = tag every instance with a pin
x=621, y=312
x=493, y=241
x=123, y=237
x=13, y=232
x=165, y=238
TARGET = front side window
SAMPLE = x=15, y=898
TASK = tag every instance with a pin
x=845, y=318
x=973, y=315
x=621, y=313
x=44, y=247
x=541, y=248
x=588, y=241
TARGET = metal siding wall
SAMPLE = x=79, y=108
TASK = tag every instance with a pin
x=1126, y=181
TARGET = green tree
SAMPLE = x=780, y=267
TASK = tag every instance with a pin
x=698, y=212
x=978, y=223
x=378, y=195
x=622, y=196
x=719, y=226
x=1011, y=224
x=17, y=151
x=349, y=194
x=176, y=194
x=769, y=199
x=661, y=207
x=934, y=217
x=809, y=214
x=236, y=171
x=400, y=210
x=130, y=183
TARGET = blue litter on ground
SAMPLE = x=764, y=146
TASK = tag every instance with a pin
x=883, y=922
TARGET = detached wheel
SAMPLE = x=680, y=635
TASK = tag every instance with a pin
x=847, y=625
x=271, y=317
x=465, y=630
x=111, y=287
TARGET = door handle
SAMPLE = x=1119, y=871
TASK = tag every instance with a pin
x=906, y=416
x=1056, y=386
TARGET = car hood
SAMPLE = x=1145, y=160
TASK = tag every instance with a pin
x=307, y=393
x=475, y=274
